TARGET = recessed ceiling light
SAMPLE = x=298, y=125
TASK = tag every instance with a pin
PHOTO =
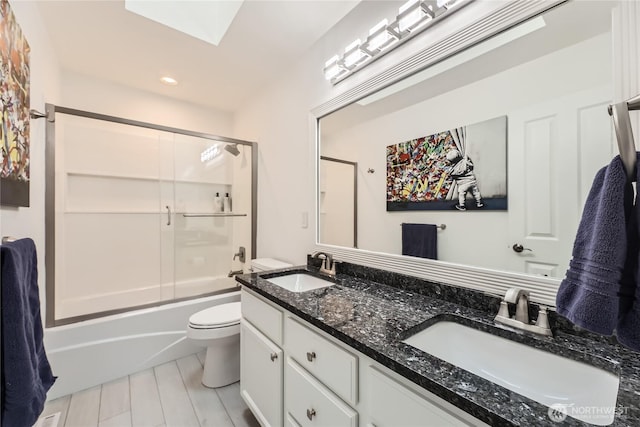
x=169, y=81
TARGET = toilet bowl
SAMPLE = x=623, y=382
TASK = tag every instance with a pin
x=218, y=329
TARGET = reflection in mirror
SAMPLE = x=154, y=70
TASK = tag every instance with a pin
x=551, y=77
x=338, y=202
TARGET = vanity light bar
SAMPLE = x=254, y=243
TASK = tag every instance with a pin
x=379, y=38
x=413, y=17
x=353, y=56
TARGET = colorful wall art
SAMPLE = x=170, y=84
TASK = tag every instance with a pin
x=463, y=169
x=14, y=93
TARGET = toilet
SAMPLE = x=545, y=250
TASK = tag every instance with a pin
x=266, y=264
x=218, y=329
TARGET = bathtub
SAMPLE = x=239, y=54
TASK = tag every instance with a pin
x=95, y=301
x=96, y=351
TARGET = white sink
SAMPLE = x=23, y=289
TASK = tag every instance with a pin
x=300, y=282
x=588, y=393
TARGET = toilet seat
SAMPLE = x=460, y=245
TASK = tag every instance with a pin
x=220, y=316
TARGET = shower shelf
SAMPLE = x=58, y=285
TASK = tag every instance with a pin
x=106, y=175
x=188, y=215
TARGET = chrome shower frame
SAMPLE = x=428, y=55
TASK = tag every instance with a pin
x=50, y=255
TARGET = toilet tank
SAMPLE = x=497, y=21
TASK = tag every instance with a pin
x=264, y=264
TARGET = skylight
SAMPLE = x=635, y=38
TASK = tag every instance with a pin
x=204, y=20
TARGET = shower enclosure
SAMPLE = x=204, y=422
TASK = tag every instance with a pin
x=135, y=214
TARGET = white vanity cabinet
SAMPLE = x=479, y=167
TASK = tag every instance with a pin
x=324, y=382
x=262, y=360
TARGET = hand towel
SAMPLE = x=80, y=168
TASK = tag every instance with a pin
x=599, y=279
x=420, y=240
x=628, y=330
x=26, y=373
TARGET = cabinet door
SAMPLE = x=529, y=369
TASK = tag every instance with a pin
x=261, y=375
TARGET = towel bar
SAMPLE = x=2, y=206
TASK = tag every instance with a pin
x=441, y=226
x=7, y=239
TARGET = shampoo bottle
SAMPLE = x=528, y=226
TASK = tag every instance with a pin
x=227, y=203
x=217, y=204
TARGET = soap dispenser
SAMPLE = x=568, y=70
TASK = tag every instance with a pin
x=227, y=203
x=217, y=204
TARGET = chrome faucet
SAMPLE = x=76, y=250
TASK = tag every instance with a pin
x=521, y=299
x=241, y=254
x=521, y=320
x=235, y=273
x=328, y=266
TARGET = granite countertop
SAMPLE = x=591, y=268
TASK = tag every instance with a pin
x=372, y=311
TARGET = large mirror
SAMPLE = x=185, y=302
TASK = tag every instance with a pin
x=525, y=110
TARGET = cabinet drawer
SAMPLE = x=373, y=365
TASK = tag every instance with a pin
x=263, y=316
x=332, y=365
x=391, y=404
x=312, y=404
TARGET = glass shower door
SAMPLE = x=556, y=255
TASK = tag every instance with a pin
x=107, y=240
x=211, y=190
x=136, y=217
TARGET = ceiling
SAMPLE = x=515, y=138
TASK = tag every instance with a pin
x=102, y=39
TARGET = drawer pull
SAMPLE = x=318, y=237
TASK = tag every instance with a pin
x=311, y=355
x=274, y=356
x=311, y=413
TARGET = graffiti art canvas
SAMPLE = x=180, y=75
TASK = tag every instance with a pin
x=14, y=93
x=462, y=169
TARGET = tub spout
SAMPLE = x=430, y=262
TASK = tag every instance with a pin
x=234, y=273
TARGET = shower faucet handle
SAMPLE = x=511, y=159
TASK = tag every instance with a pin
x=241, y=255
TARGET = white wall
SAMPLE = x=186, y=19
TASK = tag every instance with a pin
x=471, y=237
x=104, y=97
x=45, y=82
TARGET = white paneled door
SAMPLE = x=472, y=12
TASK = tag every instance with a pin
x=555, y=150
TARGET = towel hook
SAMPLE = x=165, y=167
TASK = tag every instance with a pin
x=624, y=133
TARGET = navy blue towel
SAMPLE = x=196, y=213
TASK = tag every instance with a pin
x=26, y=373
x=598, y=283
x=420, y=240
x=628, y=331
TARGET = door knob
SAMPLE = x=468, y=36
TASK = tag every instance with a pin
x=311, y=413
x=517, y=247
x=273, y=356
x=311, y=355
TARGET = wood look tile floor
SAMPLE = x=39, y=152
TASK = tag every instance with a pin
x=169, y=395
